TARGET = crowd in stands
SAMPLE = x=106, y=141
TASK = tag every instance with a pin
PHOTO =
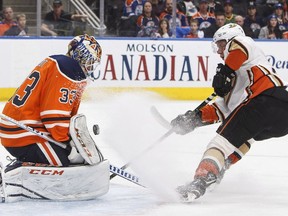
x=57, y=22
x=264, y=19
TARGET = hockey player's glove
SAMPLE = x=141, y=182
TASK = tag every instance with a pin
x=222, y=81
x=187, y=122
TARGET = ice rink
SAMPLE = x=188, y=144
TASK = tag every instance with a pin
x=257, y=185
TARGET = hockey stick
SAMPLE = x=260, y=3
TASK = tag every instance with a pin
x=115, y=170
x=33, y=130
x=159, y=118
x=126, y=175
x=165, y=123
x=168, y=133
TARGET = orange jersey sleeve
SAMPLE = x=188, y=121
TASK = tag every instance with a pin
x=46, y=100
x=211, y=114
x=237, y=55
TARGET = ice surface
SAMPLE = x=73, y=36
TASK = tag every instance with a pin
x=257, y=185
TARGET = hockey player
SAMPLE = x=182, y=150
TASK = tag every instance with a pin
x=48, y=100
x=252, y=105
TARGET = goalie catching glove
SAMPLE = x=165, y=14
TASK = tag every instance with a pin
x=222, y=81
x=187, y=122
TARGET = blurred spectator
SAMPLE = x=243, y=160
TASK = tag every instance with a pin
x=240, y=21
x=128, y=22
x=8, y=20
x=265, y=10
x=205, y=18
x=220, y=21
x=127, y=26
x=285, y=35
x=279, y=12
x=157, y=7
x=1, y=9
x=20, y=29
x=188, y=8
x=112, y=13
x=215, y=7
x=228, y=10
x=285, y=5
x=191, y=32
x=164, y=29
x=239, y=7
x=147, y=22
x=271, y=30
x=133, y=7
x=252, y=20
x=58, y=22
x=167, y=13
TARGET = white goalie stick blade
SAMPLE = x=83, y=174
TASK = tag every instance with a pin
x=83, y=141
x=159, y=118
x=126, y=175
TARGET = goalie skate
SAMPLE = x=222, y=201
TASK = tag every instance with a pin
x=197, y=188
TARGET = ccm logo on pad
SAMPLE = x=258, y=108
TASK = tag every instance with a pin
x=46, y=172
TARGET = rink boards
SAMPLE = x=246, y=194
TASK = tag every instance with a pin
x=174, y=68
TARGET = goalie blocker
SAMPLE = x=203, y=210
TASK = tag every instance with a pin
x=88, y=180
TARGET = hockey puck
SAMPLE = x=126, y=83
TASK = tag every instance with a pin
x=96, y=129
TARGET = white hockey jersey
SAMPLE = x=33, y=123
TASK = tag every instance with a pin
x=254, y=74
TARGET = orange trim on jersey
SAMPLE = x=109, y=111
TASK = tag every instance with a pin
x=199, y=15
x=49, y=153
x=262, y=80
x=209, y=114
x=129, y=2
x=235, y=59
x=234, y=113
x=140, y=20
x=47, y=97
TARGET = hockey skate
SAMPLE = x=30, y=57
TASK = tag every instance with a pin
x=196, y=188
x=222, y=172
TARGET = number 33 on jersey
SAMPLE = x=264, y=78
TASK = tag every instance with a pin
x=46, y=100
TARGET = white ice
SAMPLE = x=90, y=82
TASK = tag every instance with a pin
x=257, y=185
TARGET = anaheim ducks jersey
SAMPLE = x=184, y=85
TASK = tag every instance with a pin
x=254, y=74
x=46, y=101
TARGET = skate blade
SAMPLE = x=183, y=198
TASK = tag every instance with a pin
x=189, y=199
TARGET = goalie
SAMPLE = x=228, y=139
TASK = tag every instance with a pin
x=252, y=105
x=48, y=100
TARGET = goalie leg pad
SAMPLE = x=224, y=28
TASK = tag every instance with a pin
x=83, y=141
x=30, y=181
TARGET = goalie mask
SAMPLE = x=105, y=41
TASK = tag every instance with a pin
x=87, y=52
x=226, y=32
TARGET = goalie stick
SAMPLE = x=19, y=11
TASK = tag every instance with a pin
x=165, y=123
x=113, y=169
x=33, y=130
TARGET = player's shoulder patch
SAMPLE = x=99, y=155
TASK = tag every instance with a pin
x=237, y=44
x=69, y=67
